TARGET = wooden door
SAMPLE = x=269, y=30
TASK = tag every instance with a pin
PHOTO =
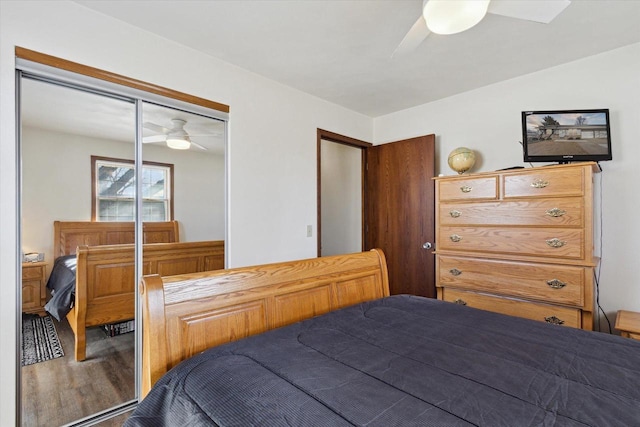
x=399, y=211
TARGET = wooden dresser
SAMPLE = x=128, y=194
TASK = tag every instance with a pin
x=628, y=323
x=519, y=242
x=34, y=291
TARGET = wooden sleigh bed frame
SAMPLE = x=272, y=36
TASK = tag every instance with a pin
x=398, y=360
x=186, y=314
x=68, y=235
x=105, y=271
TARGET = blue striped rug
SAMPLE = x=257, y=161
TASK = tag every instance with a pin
x=40, y=340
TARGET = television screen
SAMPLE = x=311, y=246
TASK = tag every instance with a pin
x=566, y=135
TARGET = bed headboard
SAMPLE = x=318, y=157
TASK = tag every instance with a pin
x=68, y=235
x=184, y=315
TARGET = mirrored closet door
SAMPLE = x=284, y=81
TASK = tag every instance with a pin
x=184, y=172
x=75, y=363
x=112, y=187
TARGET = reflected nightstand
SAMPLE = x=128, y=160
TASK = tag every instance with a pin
x=34, y=291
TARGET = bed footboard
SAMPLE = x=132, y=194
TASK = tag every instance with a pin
x=105, y=279
x=183, y=315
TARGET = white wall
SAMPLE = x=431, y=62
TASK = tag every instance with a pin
x=272, y=139
x=487, y=120
x=341, y=195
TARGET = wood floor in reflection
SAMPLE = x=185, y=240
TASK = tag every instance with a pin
x=60, y=391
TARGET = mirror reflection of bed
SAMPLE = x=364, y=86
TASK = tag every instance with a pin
x=94, y=284
x=62, y=128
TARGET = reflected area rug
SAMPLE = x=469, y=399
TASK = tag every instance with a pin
x=40, y=340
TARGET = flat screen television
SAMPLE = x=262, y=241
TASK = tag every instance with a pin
x=566, y=136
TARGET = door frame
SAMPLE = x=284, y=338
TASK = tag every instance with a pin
x=345, y=140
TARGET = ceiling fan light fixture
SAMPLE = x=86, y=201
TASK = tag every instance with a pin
x=453, y=16
x=178, y=143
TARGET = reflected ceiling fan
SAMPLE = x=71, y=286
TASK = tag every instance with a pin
x=454, y=16
x=176, y=137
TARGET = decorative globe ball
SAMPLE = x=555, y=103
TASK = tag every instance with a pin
x=461, y=159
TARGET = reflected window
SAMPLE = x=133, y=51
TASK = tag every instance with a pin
x=113, y=190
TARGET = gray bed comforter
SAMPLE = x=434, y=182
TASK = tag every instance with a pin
x=62, y=285
x=405, y=361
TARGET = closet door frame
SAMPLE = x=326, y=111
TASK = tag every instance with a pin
x=39, y=66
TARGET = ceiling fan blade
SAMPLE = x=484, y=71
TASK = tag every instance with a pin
x=413, y=38
x=156, y=128
x=543, y=11
x=199, y=146
x=154, y=138
x=206, y=135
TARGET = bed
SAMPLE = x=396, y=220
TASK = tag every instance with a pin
x=362, y=357
x=93, y=279
x=69, y=235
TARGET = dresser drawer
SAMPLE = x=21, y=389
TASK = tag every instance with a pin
x=564, y=212
x=543, y=282
x=468, y=188
x=541, y=182
x=538, y=242
x=514, y=307
x=32, y=272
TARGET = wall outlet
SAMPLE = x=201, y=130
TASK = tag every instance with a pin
x=309, y=230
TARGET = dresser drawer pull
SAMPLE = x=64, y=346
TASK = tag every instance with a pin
x=556, y=212
x=539, y=183
x=466, y=189
x=556, y=284
x=455, y=272
x=460, y=301
x=553, y=320
x=455, y=238
x=556, y=243
x=455, y=213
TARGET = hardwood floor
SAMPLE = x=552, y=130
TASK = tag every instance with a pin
x=60, y=391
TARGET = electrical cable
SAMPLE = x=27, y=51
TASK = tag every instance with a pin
x=596, y=271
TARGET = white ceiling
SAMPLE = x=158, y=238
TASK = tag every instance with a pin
x=341, y=50
x=61, y=109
